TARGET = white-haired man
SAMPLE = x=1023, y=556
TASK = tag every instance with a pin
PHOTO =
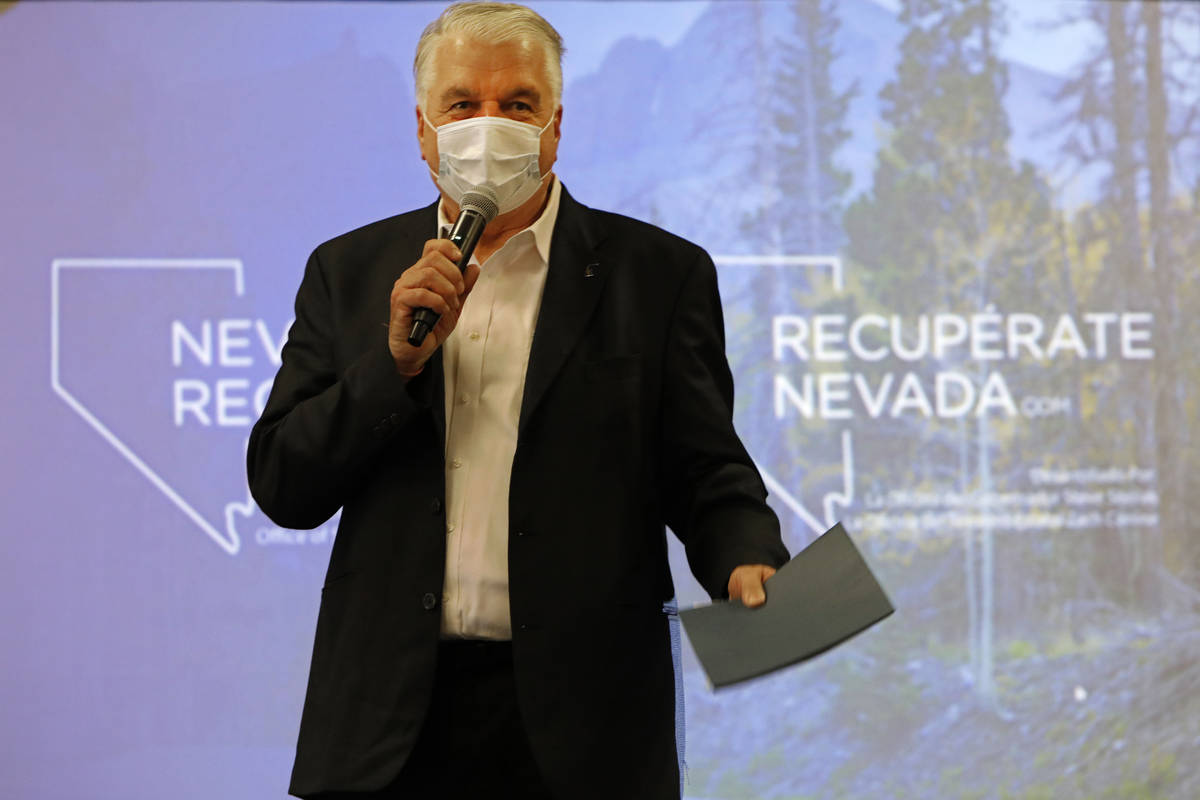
x=492, y=618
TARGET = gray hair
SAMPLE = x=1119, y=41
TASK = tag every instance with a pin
x=494, y=22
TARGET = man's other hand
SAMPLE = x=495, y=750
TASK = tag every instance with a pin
x=746, y=584
x=433, y=282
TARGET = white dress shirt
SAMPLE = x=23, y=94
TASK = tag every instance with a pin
x=485, y=360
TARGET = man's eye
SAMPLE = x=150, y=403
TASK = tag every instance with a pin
x=461, y=105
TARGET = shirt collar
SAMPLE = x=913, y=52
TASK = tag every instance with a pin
x=542, y=228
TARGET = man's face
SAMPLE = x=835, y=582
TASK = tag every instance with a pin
x=471, y=78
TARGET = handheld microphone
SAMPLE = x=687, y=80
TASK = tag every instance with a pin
x=477, y=208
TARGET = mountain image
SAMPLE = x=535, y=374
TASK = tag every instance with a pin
x=687, y=135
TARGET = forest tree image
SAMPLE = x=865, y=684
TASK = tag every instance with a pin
x=1044, y=559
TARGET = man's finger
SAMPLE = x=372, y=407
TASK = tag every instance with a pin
x=443, y=246
x=753, y=593
x=438, y=275
x=746, y=584
x=442, y=256
x=420, y=297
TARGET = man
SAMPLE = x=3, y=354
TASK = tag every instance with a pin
x=491, y=622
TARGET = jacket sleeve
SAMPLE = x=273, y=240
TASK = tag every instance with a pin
x=715, y=498
x=321, y=424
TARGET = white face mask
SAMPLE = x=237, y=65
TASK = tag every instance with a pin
x=497, y=152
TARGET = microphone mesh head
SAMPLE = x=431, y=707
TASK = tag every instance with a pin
x=482, y=200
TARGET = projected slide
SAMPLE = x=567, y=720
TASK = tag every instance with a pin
x=955, y=242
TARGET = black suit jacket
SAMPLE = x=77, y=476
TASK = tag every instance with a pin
x=625, y=426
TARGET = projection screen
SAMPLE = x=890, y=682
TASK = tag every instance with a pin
x=953, y=240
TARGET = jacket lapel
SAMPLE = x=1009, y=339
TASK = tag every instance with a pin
x=437, y=393
x=434, y=372
x=574, y=283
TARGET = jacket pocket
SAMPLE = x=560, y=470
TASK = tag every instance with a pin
x=337, y=577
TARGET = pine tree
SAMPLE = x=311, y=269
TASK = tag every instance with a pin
x=948, y=204
x=1139, y=124
x=802, y=125
x=811, y=125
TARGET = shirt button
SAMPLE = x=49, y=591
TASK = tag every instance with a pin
x=455, y=463
x=464, y=398
x=473, y=336
x=429, y=601
x=449, y=527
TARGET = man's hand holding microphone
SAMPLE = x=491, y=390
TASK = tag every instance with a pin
x=428, y=297
x=435, y=283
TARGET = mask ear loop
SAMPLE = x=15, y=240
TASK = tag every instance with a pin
x=432, y=174
x=550, y=173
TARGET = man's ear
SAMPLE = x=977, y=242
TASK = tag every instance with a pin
x=421, y=132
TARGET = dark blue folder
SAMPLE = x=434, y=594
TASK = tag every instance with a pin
x=822, y=597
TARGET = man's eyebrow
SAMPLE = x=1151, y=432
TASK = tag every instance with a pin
x=456, y=93
x=525, y=93
x=529, y=93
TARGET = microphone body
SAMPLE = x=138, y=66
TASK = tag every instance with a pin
x=476, y=210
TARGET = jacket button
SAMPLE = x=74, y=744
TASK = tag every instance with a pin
x=429, y=601
x=436, y=505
